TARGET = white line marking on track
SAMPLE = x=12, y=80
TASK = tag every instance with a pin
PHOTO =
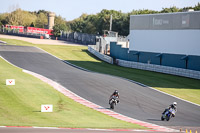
x=47, y=127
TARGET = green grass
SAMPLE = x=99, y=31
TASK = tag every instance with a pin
x=185, y=88
x=20, y=105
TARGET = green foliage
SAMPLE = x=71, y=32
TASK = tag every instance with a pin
x=197, y=7
x=56, y=30
x=170, y=10
x=94, y=24
x=42, y=11
x=0, y=19
x=42, y=20
x=60, y=25
x=91, y=24
x=3, y=20
x=20, y=17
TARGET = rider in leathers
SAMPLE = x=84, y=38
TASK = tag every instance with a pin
x=173, y=106
x=115, y=95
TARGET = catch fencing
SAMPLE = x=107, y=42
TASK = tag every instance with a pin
x=83, y=38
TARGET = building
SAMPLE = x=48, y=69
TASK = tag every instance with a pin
x=51, y=17
x=171, y=39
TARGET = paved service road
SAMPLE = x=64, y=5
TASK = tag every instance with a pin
x=136, y=101
x=39, y=41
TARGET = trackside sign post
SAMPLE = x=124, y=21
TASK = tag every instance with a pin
x=10, y=81
x=46, y=108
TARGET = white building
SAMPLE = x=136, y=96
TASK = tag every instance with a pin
x=173, y=33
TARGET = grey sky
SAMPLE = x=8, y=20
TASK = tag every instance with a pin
x=71, y=9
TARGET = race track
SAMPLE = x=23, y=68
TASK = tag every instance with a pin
x=136, y=101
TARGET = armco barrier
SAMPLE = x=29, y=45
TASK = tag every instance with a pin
x=99, y=55
x=161, y=69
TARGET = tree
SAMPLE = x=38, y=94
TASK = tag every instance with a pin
x=2, y=19
x=58, y=28
x=15, y=17
x=41, y=21
x=91, y=24
x=28, y=18
x=20, y=17
x=89, y=28
x=78, y=25
x=170, y=10
x=60, y=25
x=197, y=7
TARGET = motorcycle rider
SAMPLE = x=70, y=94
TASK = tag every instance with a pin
x=173, y=106
x=115, y=95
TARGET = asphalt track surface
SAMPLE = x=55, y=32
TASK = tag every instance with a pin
x=136, y=101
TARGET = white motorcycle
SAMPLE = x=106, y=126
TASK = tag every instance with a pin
x=168, y=114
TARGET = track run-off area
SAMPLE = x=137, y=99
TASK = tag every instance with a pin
x=136, y=101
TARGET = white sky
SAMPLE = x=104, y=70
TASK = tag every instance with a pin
x=71, y=9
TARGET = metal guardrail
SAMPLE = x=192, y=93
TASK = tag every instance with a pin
x=162, y=69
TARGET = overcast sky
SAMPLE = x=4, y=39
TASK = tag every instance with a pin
x=71, y=9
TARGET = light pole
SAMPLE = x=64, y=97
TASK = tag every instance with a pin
x=110, y=22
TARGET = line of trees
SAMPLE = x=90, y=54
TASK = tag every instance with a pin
x=37, y=19
x=95, y=24
x=91, y=24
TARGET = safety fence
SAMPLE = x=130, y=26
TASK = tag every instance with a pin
x=77, y=37
x=159, y=68
x=108, y=59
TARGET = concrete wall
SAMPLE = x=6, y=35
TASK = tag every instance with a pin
x=171, y=60
x=146, y=66
x=161, y=69
x=108, y=59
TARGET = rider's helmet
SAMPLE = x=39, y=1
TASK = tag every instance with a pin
x=116, y=92
x=174, y=103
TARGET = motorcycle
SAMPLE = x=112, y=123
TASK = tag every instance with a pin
x=168, y=114
x=113, y=102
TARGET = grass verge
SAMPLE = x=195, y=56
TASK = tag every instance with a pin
x=185, y=88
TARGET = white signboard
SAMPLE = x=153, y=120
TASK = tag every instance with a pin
x=10, y=81
x=46, y=108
